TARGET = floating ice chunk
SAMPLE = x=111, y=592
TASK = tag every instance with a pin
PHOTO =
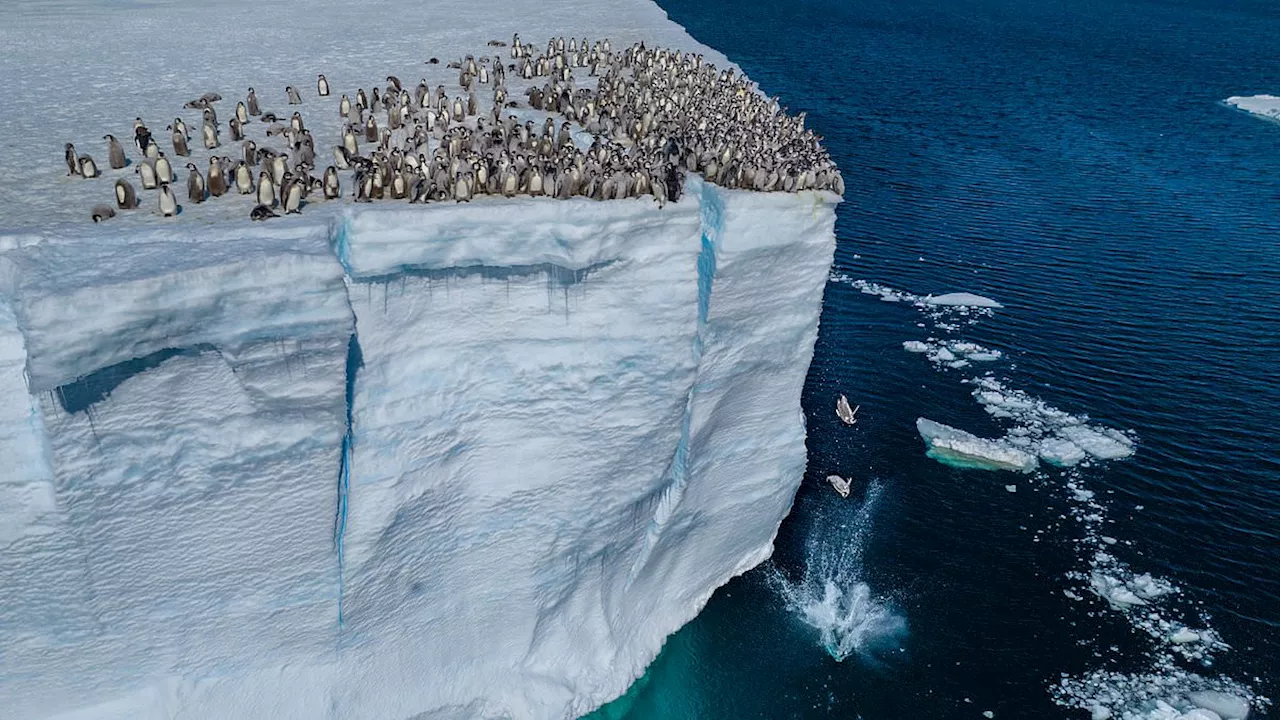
x=1228, y=706
x=984, y=356
x=1184, y=635
x=1267, y=106
x=1114, y=591
x=1011, y=488
x=1097, y=712
x=961, y=298
x=958, y=364
x=1200, y=714
x=1150, y=588
x=951, y=446
x=915, y=346
x=1060, y=452
x=942, y=355
x=1104, y=444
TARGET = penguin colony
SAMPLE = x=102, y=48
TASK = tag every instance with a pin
x=652, y=116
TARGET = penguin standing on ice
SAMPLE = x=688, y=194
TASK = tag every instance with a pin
x=244, y=178
x=73, y=160
x=322, y=86
x=195, y=184
x=251, y=103
x=126, y=197
x=168, y=203
x=88, y=168
x=115, y=152
x=217, y=178
x=294, y=97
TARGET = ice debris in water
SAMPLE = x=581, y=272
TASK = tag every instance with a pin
x=955, y=447
x=1171, y=694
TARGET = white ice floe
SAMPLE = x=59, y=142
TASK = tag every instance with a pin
x=964, y=299
x=1170, y=694
x=1267, y=106
x=958, y=448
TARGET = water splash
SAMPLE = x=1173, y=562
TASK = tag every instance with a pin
x=832, y=596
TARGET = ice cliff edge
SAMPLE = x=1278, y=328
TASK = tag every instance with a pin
x=467, y=461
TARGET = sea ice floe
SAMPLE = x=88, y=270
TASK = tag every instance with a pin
x=1171, y=694
x=962, y=299
x=955, y=447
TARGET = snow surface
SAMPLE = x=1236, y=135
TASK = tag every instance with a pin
x=1267, y=106
x=376, y=462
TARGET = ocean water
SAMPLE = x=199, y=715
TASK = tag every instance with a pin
x=1072, y=160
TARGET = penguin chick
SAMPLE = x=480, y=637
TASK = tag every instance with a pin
x=261, y=212
x=102, y=212
x=115, y=152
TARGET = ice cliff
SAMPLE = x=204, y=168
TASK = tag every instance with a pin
x=393, y=462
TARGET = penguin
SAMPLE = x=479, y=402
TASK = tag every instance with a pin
x=279, y=166
x=292, y=197
x=322, y=86
x=195, y=184
x=251, y=103
x=294, y=97
x=147, y=174
x=164, y=171
x=371, y=130
x=115, y=152
x=217, y=178
x=102, y=212
x=242, y=113
x=250, y=153
x=180, y=143
x=168, y=203
x=244, y=178
x=295, y=122
x=88, y=168
x=210, y=134
x=261, y=212
x=141, y=135
x=344, y=106
x=237, y=131
x=153, y=150
x=126, y=198
x=73, y=160
x=332, y=188
x=266, y=190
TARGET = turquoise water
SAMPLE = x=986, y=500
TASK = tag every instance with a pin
x=1073, y=161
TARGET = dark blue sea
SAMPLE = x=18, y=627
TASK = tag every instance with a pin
x=1072, y=160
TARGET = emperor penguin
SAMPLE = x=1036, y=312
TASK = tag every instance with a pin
x=102, y=212
x=344, y=106
x=141, y=135
x=322, y=86
x=261, y=212
x=88, y=168
x=126, y=198
x=251, y=103
x=217, y=178
x=168, y=203
x=147, y=174
x=153, y=150
x=244, y=178
x=73, y=160
x=250, y=153
x=242, y=113
x=237, y=130
x=371, y=130
x=180, y=143
x=164, y=170
x=332, y=188
x=266, y=190
x=115, y=152
x=279, y=166
x=195, y=184
x=294, y=97
x=292, y=197
x=295, y=122
x=349, y=142
x=210, y=134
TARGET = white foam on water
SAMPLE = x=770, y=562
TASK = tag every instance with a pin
x=832, y=595
x=1153, y=606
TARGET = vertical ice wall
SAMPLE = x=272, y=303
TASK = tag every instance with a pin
x=541, y=434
